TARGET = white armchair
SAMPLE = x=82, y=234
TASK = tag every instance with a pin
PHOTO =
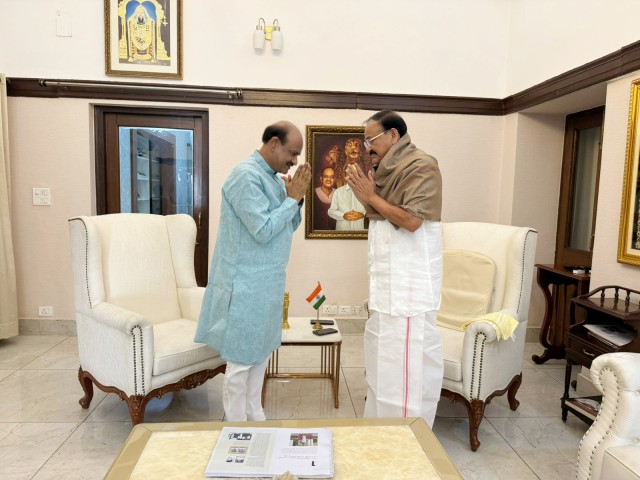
x=487, y=268
x=611, y=447
x=137, y=306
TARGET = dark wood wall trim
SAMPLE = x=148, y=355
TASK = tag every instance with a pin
x=625, y=60
x=32, y=87
x=616, y=64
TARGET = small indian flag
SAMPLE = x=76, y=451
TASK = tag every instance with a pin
x=316, y=298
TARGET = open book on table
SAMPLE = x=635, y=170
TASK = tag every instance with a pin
x=265, y=452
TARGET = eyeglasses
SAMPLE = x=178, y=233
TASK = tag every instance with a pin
x=369, y=141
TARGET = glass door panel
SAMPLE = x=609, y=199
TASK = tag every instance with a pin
x=156, y=170
x=584, y=188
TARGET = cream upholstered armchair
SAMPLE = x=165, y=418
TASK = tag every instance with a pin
x=486, y=268
x=137, y=306
x=611, y=447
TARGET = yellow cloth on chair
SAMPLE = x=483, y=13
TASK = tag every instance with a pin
x=504, y=324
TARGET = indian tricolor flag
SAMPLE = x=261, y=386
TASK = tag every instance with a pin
x=316, y=298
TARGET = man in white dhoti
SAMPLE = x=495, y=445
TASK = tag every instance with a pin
x=403, y=200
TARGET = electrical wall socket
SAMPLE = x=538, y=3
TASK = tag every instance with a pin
x=344, y=310
x=329, y=309
x=356, y=309
x=46, y=311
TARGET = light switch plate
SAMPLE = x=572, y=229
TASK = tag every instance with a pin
x=41, y=196
x=63, y=24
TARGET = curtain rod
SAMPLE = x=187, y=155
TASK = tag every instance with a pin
x=234, y=93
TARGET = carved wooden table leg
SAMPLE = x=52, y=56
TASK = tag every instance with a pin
x=558, y=286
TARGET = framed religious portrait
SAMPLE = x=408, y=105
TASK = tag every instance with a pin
x=143, y=38
x=331, y=208
x=629, y=236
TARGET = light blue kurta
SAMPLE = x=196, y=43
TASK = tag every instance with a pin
x=241, y=314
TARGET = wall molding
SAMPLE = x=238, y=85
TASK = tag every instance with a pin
x=613, y=65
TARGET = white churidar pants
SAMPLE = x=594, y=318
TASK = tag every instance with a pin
x=404, y=367
x=402, y=347
x=242, y=392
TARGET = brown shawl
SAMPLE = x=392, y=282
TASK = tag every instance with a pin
x=410, y=179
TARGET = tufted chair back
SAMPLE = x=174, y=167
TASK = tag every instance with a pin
x=135, y=261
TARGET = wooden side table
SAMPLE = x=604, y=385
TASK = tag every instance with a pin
x=559, y=286
x=605, y=305
x=301, y=334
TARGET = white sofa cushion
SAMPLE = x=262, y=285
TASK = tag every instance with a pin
x=174, y=347
x=452, y=341
x=621, y=463
x=467, y=287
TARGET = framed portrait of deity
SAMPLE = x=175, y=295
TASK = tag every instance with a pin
x=143, y=38
x=331, y=208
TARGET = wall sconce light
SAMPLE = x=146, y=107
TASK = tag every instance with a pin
x=267, y=32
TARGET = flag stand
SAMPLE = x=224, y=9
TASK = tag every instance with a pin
x=285, y=312
x=317, y=325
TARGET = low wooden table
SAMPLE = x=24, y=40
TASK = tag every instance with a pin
x=301, y=334
x=398, y=448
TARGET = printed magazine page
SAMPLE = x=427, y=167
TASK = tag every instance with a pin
x=265, y=452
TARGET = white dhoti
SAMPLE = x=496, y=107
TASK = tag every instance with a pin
x=403, y=349
x=403, y=362
x=242, y=392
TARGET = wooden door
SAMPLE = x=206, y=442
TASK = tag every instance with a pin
x=155, y=161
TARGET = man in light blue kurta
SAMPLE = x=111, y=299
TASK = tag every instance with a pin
x=241, y=314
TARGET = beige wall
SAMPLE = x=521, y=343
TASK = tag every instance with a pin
x=536, y=188
x=476, y=48
x=52, y=146
x=495, y=169
x=606, y=269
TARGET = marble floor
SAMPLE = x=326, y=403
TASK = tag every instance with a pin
x=45, y=434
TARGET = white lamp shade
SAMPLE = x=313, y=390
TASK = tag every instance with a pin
x=276, y=40
x=258, y=39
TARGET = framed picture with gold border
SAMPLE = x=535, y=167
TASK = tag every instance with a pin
x=143, y=38
x=629, y=236
x=331, y=209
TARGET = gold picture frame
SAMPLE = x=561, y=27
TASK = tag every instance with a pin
x=629, y=237
x=329, y=150
x=143, y=38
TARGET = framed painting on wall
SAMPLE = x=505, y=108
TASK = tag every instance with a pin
x=143, y=38
x=629, y=236
x=331, y=208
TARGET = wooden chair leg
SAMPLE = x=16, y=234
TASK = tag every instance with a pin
x=475, y=413
x=87, y=386
x=513, y=389
x=137, y=404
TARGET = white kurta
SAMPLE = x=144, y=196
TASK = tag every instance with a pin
x=344, y=201
x=403, y=349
